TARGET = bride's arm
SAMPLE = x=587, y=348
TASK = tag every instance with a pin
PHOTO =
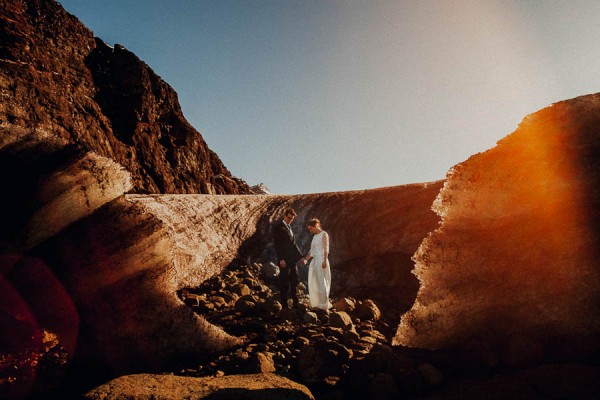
x=325, y=249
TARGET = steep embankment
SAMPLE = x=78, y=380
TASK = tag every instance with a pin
x=55, y=76
x=514, y=265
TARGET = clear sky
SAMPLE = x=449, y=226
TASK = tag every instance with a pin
x=327, y=95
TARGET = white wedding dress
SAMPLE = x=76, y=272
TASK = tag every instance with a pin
x=319, y=278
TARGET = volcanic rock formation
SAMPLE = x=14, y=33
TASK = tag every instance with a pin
x=55, y=76
x=514, y=263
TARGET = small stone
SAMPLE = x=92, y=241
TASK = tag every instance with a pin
x=302, y=288
x=383, y=386
x=310, y=318
x=191, y=300
x=368, y=310
x=431, y=375
x=351, y=335
x=245, y=305
x=218, y=301
x=380, y=357
x=345, y=304
x=323, y=315
x=302, y=308
x=241, y=289
x=228, y=297
x=270, y=270
x=274, y=307
x=261, y=363
x=301, y=341
x=341, y=319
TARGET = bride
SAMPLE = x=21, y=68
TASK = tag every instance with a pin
x=319, y=273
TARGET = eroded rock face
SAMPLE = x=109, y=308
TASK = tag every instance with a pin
x=373, y=234
x=56, y=77
x=515, y=259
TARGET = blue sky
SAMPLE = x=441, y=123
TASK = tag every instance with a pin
x=329, y=95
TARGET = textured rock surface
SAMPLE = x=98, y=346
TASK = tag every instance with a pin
x=55, y=76
x=134, y=253
x=242, y=387
x=373, y=234
x=515, y=259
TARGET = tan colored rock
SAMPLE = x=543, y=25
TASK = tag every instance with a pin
x=517, y=250
x=133, y=254
x=344, y=304
x=340, y=319
x=242, y=387
x=73, y=193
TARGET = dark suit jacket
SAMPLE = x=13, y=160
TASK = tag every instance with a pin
x=285, y=245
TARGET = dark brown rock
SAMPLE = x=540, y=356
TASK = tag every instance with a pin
x=62, y=80
x=344, y=304
x=261, y=362
x=341, y=319
x=310, y=318
x=368, y=310
x=383, y=386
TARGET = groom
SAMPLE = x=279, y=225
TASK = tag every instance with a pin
x=288, y=256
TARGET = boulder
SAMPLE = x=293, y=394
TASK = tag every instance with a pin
x=269, y=271
x=344, y=304
x=241, y=289
x=242, y=387
x=431, y=375
x=261, y=362
x=310, y=318
x=273, y=306
x=383, y=387
x=341, y=319
x=368, y=310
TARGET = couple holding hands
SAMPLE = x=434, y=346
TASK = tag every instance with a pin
x=288, y=256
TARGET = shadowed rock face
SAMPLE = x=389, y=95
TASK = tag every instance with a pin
x=82, y=124
x=373, y=234
x=514, y=263
x=56, y=77
x=122, y=257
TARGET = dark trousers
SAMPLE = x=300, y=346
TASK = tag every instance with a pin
x=288, y=283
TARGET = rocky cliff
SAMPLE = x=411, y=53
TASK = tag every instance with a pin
x=55, y=76
x=122, y=258
x=514, y=265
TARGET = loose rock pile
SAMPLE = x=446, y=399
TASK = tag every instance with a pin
x=341, y=353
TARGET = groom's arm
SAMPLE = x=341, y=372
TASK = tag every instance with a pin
x=279, y=238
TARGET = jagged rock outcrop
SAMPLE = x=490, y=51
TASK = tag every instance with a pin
x=261, y=188
x=55, y=76
x=513, y=268
x=373, y=234
x=243, y=387
x=123, y=262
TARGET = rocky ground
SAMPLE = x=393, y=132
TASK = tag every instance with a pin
x=339, y=352
x=346, y=352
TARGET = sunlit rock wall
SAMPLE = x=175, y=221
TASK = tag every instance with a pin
x=516, y=254
x=373, y=234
